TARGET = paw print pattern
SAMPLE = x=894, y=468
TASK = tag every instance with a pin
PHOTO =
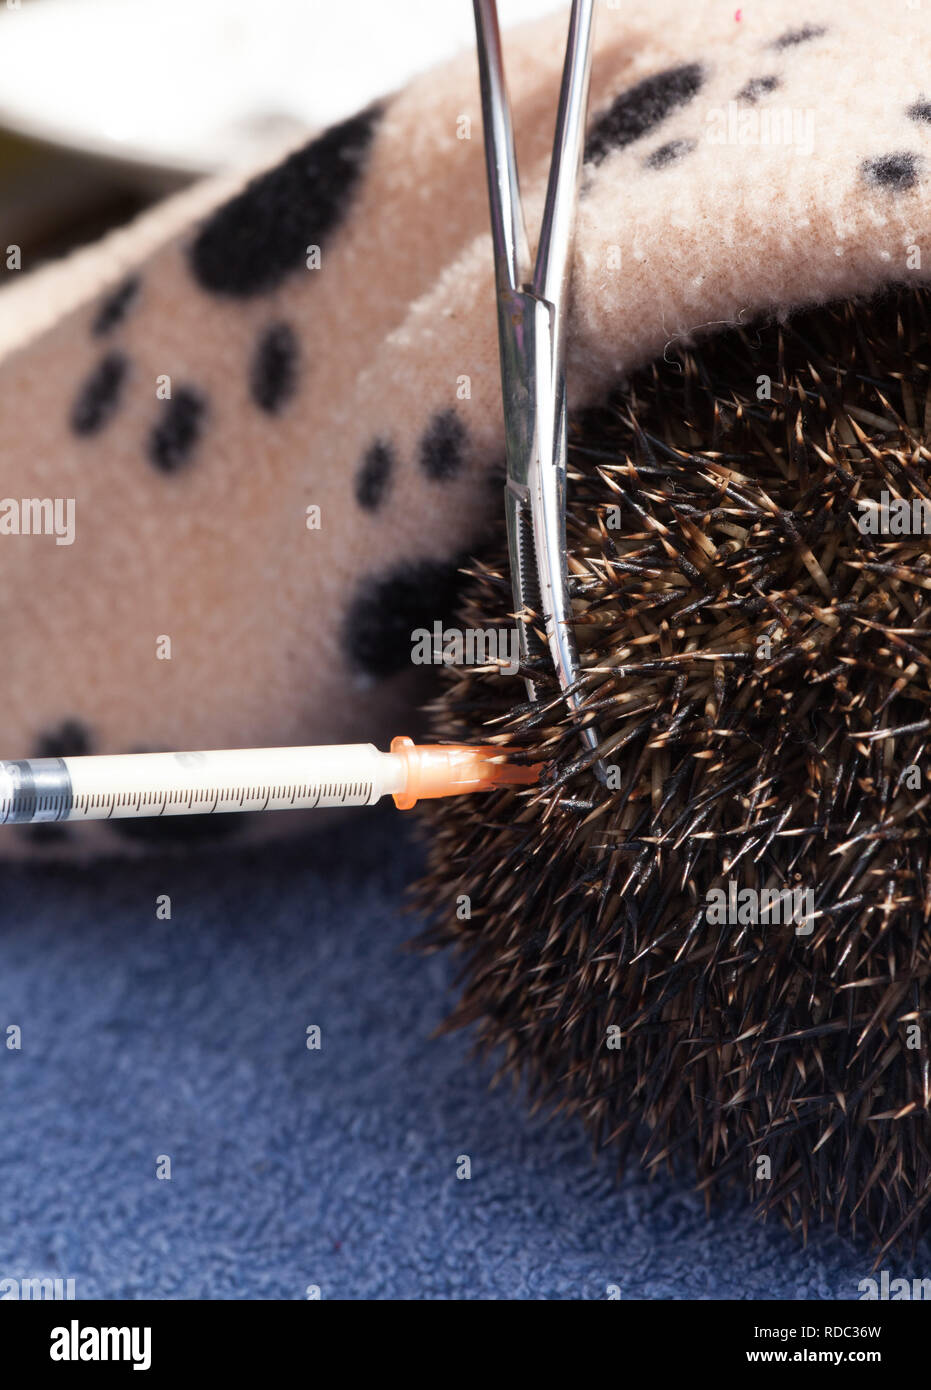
x=641, y=108
x=901, y=170
x=897, y=172
x=758, y=87
x=254, y=241
x=645, y=106
x=99, y=395
x=245, y=249
x=374, y=476
x=274, y=371
x=442, y=449
x=174, y=436
x=793, y=37
x=386, y=609
x=116, y=306
x=669, y=154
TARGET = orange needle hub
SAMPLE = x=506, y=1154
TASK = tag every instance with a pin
x=450, y=769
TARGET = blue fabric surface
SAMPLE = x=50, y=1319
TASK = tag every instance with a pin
x=291, y=1167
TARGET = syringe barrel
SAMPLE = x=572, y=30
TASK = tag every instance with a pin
x=173, y=784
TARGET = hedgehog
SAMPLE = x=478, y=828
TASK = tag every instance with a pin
x=747, y=535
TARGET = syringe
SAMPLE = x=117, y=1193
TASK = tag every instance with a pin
x=247, y=779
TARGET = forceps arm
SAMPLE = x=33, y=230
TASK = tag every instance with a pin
x=531, y=331
x=508, y=230
x=551, y=272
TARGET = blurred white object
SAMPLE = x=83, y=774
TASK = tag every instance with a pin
x=187, y=86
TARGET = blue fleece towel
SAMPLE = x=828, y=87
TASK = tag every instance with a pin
x=292, y=1167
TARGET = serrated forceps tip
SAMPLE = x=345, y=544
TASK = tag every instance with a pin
x=532, y=303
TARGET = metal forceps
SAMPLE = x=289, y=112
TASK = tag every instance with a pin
x=532, y=304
